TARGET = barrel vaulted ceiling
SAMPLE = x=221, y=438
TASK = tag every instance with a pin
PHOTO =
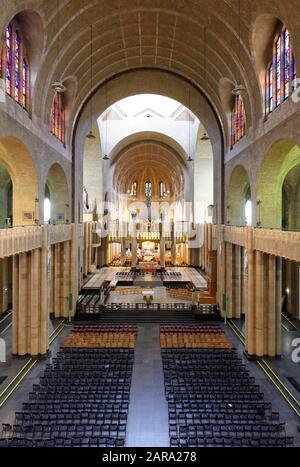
x=196, y=39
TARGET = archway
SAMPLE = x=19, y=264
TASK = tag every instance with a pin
x=6, y=198
x=56, y=201
x=274, y=182
x=17, y=163
x=291, y=199
x=149, y=82
x=239, y=207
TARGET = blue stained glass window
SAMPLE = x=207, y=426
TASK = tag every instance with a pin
x=8, y=59
x=17, y=67
x=280, y=72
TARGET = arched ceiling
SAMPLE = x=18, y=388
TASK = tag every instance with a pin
x=195, y=39
x=148, y=161
x=130, y=34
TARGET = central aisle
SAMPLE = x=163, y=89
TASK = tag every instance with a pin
x=147, y=424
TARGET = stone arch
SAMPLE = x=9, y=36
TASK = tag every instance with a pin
x=57, y=186
x=143, y=136
x=93, y=171
x=264, y=29
x=291, y=199
x=203, y=177
x=15, y=157
x=31, y=26
x=149, y=81
x=280, y=159
x=237, y=196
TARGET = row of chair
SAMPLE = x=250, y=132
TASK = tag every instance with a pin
x=206, y=329
x=96, y=442
x=104, y=328
x=99, y=340
x=194, y=441
x=213, y=401
x=67, y=409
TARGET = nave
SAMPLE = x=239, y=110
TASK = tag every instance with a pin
x=178, y=385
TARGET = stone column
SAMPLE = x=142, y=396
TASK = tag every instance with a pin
x=173, y=244
x=278, y=262
x=30, y=313
x=162, y=245
x=236, y=281
x=229, y=281
x=259, y=303
x=271, y=306
x=74, y=279
x=133, y=245
x=123, y=251
x=250, y=338
x=4, y=284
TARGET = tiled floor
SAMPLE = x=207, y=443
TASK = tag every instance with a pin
x=148, y=412
x=14, y=364
x=282, y=366
x=148, y=416
x=160, y=295
x=109, y=273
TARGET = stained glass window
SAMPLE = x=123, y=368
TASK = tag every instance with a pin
x=58, y=122
x=238, y=120
x=162, y=189
x=14, y=69
x=281, y=73
x=8, y=59
x=134, y=188
x=17, y=67
x=148, y=189
x=25, y=84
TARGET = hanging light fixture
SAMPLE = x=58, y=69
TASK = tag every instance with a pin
x=58, y=85
x=239, y=89
x=91, y=135
x=205, y=137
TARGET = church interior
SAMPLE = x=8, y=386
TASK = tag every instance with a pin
x=150, y=282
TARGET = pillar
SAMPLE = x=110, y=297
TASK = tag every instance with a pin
x=162, y=245
x=63, y=278
x=173, y=244
x=229, y=278
x=236, y=281
x=259, y=303
x=250, y=344
x=263, y=297
x=133, y=245
x=30, y=311
x=5, y=285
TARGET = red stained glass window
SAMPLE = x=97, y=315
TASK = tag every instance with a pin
x=14, y=69
x=238, y=121
x=280, y=74
x=58, y=120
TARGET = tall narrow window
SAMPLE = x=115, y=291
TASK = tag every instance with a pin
x=134, y=188
x=58, y=118
x=238, y=121
x=14, y=68
x=17, y=62
x=148, y=189
x=9, y=48
x=162, y=189
x=281, y=73
x=25, y=84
